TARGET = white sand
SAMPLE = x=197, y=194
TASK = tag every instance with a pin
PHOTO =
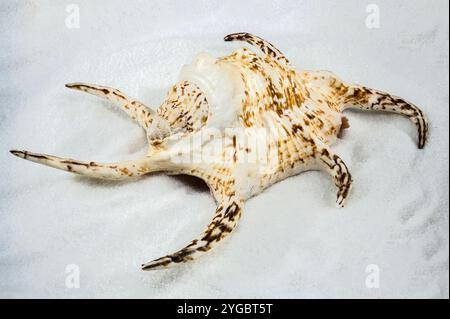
x=292, y=241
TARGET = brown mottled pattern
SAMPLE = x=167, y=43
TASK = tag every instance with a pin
x=185, y=107
x=301, y=111
x=374, y=100
x=264, y=45
x=223, y=223
x=135, y=109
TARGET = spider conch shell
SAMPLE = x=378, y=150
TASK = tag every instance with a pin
x=241, y=123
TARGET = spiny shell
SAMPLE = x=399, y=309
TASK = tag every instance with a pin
x=241, y=123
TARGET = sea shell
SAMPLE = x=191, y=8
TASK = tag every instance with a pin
x=241, y=123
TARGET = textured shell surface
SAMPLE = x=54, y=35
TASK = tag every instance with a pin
x=241, y=123
x=267, y=100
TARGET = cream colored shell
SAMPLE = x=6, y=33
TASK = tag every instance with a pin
x=241, y=123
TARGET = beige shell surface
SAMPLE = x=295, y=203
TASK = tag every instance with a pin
x=241, y=123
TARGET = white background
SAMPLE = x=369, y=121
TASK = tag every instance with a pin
x=292, y=241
